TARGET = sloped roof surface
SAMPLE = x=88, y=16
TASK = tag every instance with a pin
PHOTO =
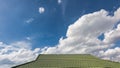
x=69, y=61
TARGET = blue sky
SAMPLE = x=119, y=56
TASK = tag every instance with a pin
x=47, y=26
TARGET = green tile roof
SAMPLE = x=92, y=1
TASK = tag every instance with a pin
x=69, y=61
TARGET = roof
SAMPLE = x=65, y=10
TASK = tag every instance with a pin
x=68, y=61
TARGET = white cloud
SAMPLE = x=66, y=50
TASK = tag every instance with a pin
x=59, y=1
x=16, y=53
x=29, y=20
x=28, y=38
x=113, y=35
x=41, y=10
x=82, y=36
x=111, y=54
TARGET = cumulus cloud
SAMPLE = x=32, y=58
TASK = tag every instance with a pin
x=16, y=53
x=41, y=10
x=82, y=36
x=113, y=35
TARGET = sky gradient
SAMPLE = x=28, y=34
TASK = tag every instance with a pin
x=58, y=26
